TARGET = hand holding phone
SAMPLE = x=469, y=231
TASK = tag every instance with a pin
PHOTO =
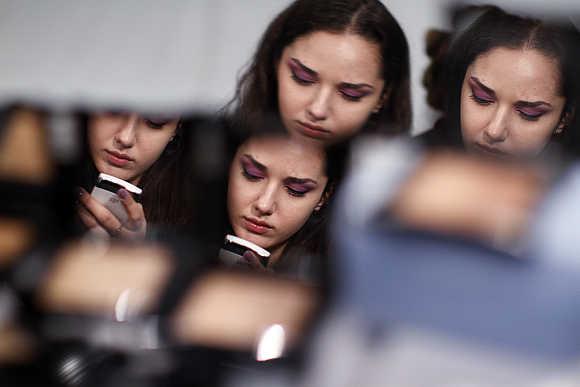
x=112, y=208
x=240, y=252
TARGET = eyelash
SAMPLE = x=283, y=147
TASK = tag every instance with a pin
x=155, y=125
x=249, y=176
x=484, y=102
x=480, y=101
x=306, y=82
x=529, y=117
x=295, y=193
x=349, y=97
x=288, y=189
x=300, y=80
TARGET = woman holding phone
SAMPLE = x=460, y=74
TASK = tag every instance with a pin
x=145, y=151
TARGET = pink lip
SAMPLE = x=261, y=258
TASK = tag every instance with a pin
x=311, y=130
x=117, y=159
x=256, y=226
x=490, y=150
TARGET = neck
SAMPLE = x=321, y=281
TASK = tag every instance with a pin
x=275, y=254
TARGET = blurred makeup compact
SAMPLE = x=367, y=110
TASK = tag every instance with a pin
x=105, y=191
x=232, y=252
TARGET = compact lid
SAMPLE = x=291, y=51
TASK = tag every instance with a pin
x=128, y=186
x=252, y=246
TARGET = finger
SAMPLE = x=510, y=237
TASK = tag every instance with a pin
x=103, y=216
x=253, y=260
x=86, y=218
x=135, y=214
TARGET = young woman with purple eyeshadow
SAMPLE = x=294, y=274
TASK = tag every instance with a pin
x=278, y=197
x=328, y=70
x=513, y=87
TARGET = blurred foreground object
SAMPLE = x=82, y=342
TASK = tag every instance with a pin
x=446, y=244
x=445, y=278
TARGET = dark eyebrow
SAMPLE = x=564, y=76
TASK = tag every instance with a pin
x=342, y=84
x=524, y=104
x=521, y=104
x=297, y=180
x=485, y=88
x=356, y=85
x=258, y=165
x=304, y=67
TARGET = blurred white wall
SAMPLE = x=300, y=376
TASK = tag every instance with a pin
x=245, y=23
x=176, y=53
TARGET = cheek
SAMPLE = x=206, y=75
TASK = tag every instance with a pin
x=239, y=193
x=533, y=140
x=350, y=118
x=474, y=119
x=152, y=148
x=97, y=136
x=296, y=214
x=292, y=99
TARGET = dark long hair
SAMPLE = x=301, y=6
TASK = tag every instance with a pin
x=256, y=94
x=495, y=28
x=167, y=184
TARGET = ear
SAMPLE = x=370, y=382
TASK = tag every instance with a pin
x=324, y=198
x=564, y=121
x=319, y=205
x=383, y=100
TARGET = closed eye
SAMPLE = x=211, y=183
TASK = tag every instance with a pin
x=298, y=192
x=155, y=124
x=302, y=77
x=299, y=187
x=251, y=169
x=300, y=73
x=480, y=100
x=530, y=116
x=352, y=95
x=250, y=176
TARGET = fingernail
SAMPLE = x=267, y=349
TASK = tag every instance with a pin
x=123, y=193
x=249, y=256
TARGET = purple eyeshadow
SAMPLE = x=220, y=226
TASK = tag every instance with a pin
x=532, y=112
x=300, y=73
x=354, y=93
x=251, y=169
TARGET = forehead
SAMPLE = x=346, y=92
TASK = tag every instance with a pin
x=346, y=56
x=285, y=156
x=527, y=73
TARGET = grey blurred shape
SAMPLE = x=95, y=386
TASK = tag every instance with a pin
x=129, y=54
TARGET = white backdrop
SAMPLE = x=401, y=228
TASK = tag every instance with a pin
x=184, y=54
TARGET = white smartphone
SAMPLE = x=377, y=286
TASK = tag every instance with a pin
x=234, y=248
x=105, y=191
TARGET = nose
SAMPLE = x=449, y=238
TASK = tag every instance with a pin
x=126, y=134
x=497, y=128
x=265, y=203
x=318, y=108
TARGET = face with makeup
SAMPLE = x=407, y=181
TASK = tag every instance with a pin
x=329, y=84
x=275, y=184
x=126, y=145
x=511, y=102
